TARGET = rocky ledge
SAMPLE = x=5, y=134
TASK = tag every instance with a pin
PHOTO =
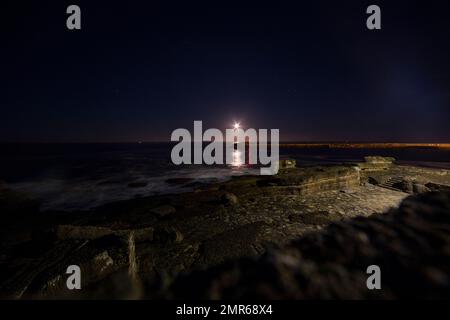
x=154, y=239
x=411, y=245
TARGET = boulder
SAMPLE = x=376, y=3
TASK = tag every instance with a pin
x=287, y=164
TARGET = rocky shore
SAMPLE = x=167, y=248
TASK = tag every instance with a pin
x=410, y=245
x=154, y=247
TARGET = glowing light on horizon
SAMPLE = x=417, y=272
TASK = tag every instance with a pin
x=237, y=159
x=236, y=125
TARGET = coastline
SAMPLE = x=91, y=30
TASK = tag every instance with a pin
x=180, y=233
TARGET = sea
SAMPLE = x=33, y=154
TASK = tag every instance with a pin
x=79, y=176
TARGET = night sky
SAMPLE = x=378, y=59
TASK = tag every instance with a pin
x=138, y=70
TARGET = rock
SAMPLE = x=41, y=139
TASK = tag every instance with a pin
x=97, y=259
x=437, y=187
x=373, y=180
x=234, y=243
x=270, y=182
x=168, y=234
x=376, y=163
x=22, y=277
x=100, y=264
x=137, y=184
x=315, y=179
x=163, y=211
x=411, y=242
x=229, y=199
x=66, y=232
x=287, y=164
x=140, y=235
x=379, y=159
x=317, y=218
x=420, y=188
x=405, y=186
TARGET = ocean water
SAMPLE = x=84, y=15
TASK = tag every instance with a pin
x=82, y=176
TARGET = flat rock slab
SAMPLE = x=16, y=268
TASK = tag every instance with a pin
x=409, y=245
x=237, y=242
x=74, y=232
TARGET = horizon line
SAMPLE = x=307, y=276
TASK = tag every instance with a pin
x=298, y=144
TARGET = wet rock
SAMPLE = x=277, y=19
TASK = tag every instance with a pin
x=163, y=211
x=229, y=199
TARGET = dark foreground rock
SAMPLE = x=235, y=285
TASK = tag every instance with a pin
x=411, y=245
